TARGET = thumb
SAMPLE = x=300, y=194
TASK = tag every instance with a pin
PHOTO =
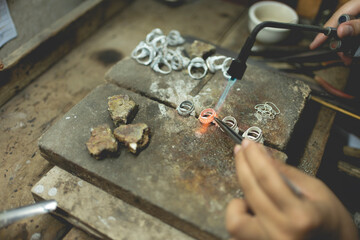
x=349, y=29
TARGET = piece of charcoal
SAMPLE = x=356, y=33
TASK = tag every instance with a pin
x=122, y=109
x=102, y=142
x=134, y=136
x=201, y=49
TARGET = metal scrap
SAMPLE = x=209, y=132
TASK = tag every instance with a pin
x=122, y=109
x=134, y=136
x=102, y=142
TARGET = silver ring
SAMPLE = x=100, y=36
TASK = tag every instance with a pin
x=185, y=108
x=143, y=53
x=275, y=109
x=153, y=34
x=185, y=60
x=268, y=110
x=160, y=60
x=212, y=65
x=225, y=67
x=175, y=59
x=174, y=38
x=231, y=122
x=254, y=133
x=197, y=63
x=158, y=42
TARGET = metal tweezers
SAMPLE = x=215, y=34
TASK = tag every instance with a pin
x=238, y=139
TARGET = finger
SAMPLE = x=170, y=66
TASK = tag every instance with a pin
x=258, y=201
x=347, y=60
x=351, y=8
x=239, y=223
x=349, y=29
x=268, y=177
x=321, y=38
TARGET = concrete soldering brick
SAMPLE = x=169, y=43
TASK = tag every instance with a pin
x=184, y=177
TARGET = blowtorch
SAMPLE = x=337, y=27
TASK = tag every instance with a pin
x=349, y=46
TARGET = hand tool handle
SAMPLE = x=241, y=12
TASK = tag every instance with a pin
x=9, y=216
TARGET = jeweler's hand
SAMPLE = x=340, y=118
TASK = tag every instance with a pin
x=270, y=210
x=346, y=29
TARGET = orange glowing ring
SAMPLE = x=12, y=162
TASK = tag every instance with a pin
x=207, y=116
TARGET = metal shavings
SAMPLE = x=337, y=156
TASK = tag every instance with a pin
x=267, y=110
x=254, y=133
x=185, y=108
x=231, y=122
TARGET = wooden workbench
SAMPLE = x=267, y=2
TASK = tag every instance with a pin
x=32, y=111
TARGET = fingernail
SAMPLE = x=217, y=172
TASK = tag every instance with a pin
x=348, y=30
x=245, y=143
x=237, y=148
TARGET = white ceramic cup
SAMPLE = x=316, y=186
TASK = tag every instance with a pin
x=271, y=11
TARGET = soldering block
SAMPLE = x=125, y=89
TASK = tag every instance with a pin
x=122, y=109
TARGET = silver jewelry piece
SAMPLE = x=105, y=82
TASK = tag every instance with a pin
x=153, y=34
x=175, y=59
x=185, y=60
x=174, y=38
x=185, y=108
x=267, y=110
x=231, y=122
x=213, y=63
x=143, y=53
x=159, y=42
x=254, y=133
x=225, y=67
x=160, y=60
x=197, y=63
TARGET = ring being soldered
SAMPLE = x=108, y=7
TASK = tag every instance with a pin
x=207, y=116
x=185, y=108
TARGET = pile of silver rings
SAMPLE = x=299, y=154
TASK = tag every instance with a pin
x=254, y=133
x=267, y=110
x=185, y=108
x=156, y=52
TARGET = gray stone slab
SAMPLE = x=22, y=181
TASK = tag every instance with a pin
x=93, y=210
x=185, y=176
x=257, y=86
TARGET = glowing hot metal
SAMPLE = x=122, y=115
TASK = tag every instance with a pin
x=207, y=116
